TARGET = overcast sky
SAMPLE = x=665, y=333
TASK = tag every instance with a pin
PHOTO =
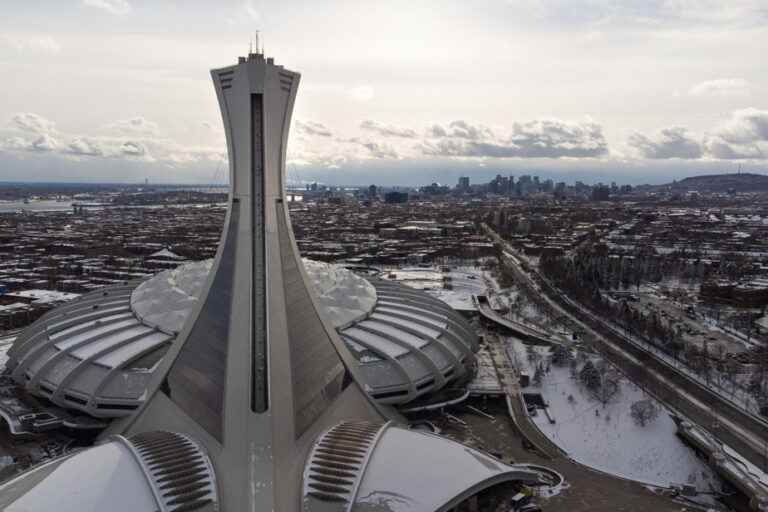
x=392, y=91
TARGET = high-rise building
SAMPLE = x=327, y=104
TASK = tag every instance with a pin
x=463, y=183
x=601, y=192
x=257, y=404
x=395, y=197
x=559, y=191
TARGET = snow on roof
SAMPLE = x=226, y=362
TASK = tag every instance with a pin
x=112, y=480
x=167, y=299
x=165, y=253
x=45, y=296
x=345, y=296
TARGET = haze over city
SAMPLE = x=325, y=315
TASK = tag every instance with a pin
x=392, y=92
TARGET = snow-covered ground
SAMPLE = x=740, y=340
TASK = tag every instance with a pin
x=606, y=437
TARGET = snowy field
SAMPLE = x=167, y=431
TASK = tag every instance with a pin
x=607, y=437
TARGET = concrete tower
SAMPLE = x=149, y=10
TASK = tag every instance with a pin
x=256, y=405
x=259, y=373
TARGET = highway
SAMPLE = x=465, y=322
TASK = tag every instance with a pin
x=744, y=432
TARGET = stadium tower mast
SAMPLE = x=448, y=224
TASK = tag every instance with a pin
x=256, y=405
x=259, y=373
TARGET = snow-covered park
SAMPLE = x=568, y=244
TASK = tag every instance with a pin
x=606, y=436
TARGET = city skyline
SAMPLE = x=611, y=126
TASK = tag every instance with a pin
x=394, y=94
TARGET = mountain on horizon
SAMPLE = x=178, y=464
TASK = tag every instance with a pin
x=738, y=182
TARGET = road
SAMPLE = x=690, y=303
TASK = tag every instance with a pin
x=739, y=429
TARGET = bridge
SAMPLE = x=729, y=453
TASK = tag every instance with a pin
x=522, y=331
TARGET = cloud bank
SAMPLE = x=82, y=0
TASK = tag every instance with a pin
x=547, y=138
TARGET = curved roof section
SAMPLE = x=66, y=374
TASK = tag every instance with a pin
x=360, y=466
x=94, y=354
x=439, y=475
x=122, y=475
x=97, y=353
x=410, y=344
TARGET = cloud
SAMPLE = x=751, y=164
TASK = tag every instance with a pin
x=379, y=150
x=44, y=142
x=32, y=123
x=721, y=87
x=361, y=93
x=132, y=148
x=436, y=131
x=747, y=125
x=84, y=146
x=672, y=142
x=744, y=135
x=39, y=133
x=41, y=143
x=118, y=7
x=41, y=44
x=721, y=149
x=387, y=130
x=134, y=126
x=312, y=128
x=132, y=139
x=549, y=138
x=464, y=130
x=461, y=130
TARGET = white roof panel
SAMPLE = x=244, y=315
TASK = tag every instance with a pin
x=105, y=477
x=64, y=344
x=426, y=331
x=375, y=342
x=105, y=343
x=399, y=334
x=127, y=352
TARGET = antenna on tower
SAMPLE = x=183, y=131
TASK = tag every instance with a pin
x=257, y=42
x=250, y=46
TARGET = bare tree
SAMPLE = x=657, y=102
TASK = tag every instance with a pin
x=561, y=355
x=602, y=380
x=644, y=412
x=610, y=383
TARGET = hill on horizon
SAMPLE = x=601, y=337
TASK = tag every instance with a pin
x=740, y=182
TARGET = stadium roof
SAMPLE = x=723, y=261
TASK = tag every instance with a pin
x=97, y=353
